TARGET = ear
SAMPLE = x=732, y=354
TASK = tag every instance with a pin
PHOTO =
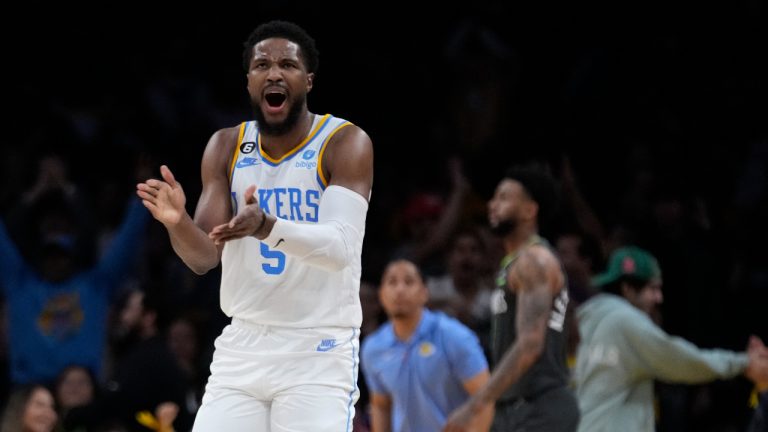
x=530, y=209
x=310, y=80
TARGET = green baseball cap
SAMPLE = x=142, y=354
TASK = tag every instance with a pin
x=629, y=261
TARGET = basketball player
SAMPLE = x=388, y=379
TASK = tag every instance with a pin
x=283, y=208
x=529, y=383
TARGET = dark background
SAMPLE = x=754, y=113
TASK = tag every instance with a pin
x=686, y=82
x=673, y=92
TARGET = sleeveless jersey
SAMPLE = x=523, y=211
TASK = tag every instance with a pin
x=550, y=370
x=263, y=285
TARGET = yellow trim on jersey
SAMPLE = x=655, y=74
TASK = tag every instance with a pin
x=236, y=153
x=297, y=147
x=322, y=152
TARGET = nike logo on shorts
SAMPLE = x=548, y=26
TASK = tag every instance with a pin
x=327, y=345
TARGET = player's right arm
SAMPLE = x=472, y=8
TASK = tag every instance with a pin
x=166, y=201
x=381, y=413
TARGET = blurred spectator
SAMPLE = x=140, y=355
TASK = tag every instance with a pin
x=57, y=312
x=759, y=422
x=76, y=393
x=183, y=338
x=431, y=222
x=579, y=255
x=52, y=206
x=146, y=373
x=464, y=292
x=30, y=409
x=52, y=174
x=420, y=365
x=162, y=420
x=622, y=350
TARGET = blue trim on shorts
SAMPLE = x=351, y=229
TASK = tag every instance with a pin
x=354, y=381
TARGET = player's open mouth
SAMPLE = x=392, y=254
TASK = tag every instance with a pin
x=274, y=99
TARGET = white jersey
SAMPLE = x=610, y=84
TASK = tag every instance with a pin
x=265, y=286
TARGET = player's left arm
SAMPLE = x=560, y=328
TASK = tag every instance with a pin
x=348, y=161
x=483, y=420
x=535, y=277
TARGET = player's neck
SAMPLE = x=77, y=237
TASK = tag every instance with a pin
x=405, y=327
x=278, y=145
x=519, y=238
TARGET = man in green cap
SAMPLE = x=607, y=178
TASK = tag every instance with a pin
x=623, y=351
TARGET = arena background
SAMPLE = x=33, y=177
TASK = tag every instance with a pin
x=668, y=94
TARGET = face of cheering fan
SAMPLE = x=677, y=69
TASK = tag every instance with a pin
x=278, y=83
x=465, y=259
x=39, y=413
x=647, y=298
x=75, y=387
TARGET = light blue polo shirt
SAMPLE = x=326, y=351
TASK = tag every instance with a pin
x=423, y=376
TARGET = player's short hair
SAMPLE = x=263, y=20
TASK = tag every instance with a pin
x=286, y=30
x=540, y=186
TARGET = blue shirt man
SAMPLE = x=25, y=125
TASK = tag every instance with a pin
x=53, y=323
x=420, y=365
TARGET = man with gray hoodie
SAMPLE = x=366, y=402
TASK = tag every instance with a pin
x=622, y=351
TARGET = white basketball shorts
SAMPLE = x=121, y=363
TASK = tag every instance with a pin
x=278, y=379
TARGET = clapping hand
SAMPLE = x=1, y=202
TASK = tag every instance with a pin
x=247, y=222
x=165, y=198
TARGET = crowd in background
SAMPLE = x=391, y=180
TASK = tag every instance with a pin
x=657, y=140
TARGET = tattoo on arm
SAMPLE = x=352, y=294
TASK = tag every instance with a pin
x=534, y=307
x=530, y=278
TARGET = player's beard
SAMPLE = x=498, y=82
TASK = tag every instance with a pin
x=277, y=129
x=503, y=228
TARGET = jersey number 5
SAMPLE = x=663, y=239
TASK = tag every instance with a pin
x=268, y=253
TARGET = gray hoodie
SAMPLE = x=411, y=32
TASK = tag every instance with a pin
x=621, y=352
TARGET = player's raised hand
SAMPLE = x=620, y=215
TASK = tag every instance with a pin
x=165, y=198
x=247, y=222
